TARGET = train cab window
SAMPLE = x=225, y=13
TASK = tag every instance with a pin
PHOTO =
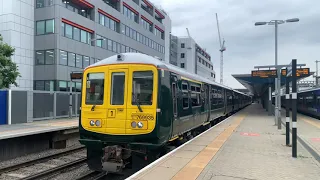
x=117, y=88
x=142, y=88
x=95, y=88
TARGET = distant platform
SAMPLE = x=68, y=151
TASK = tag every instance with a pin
x=37, y=127
x=247, y=145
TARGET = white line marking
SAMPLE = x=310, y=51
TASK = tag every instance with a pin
x=287, y=119
x=171, y=152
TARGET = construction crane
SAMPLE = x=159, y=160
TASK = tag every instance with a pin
x=222, y=48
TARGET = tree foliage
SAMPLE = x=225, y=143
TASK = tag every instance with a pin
x=8, y=69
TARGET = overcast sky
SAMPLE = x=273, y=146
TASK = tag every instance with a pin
x=248, y=45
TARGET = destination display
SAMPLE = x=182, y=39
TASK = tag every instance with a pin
x=264, y=73
x=76, y=75
x=301, y=72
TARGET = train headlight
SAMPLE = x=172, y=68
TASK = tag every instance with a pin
x=98, y=123
x=140, y=124
x=133, y=124
x=92, y=123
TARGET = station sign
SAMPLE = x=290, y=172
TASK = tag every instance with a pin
x=77, y=75
x=301, y=72
x=264, y=73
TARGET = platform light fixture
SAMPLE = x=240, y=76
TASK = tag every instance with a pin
x=278, y=79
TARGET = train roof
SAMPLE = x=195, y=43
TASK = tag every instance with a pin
x=146, y=59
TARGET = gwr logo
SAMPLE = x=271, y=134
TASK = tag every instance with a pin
x=142, y=116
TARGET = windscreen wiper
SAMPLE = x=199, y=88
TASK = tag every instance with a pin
x=92, y=108
x=139, y=107
x=138, y=104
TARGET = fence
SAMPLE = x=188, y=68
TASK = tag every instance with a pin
x=27, y=106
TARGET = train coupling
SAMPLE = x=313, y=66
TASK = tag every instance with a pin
x=113, y=160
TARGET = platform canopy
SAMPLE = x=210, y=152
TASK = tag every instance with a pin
x=256, y=85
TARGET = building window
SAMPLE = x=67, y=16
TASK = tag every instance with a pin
x=109, y=45
x=49, y=57
x=109, y=23
x=84, y=36
x=147, y=8
x=43, y=3
x=40, y=57
x=130, y=14
x=40, y=3
x=182, y=55
x=69, y=31
x=79, y=61
x=99, y=41
x=182, y=45
x=63, y=58
x=40, y=27
x=44, y=85
x=71, y=59
x=86, y=61
x=211, y=74
x=45, y=57
x=62, y=86
x=76, y=33
x=182, y=65
x=159, y=33
x=77, y=9
x=45, y=27
x=146, y=25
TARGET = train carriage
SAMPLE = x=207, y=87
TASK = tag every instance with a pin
x=133, y=105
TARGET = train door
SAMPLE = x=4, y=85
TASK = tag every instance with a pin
x=116, y=100
x=174, y=95
x=207, y=102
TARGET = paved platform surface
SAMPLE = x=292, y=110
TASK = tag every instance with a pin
x=37, y=127
x=308, y=130
x=245, y=146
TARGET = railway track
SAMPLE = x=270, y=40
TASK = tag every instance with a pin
x=45, y=166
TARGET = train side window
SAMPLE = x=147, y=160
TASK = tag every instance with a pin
x=198, y=89
x=184, y=87
x=193, y=88
x=95, y=89
x=117, y=88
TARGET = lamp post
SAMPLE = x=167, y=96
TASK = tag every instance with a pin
x=277, y=80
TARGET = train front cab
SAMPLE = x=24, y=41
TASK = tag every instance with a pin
x=118, y=106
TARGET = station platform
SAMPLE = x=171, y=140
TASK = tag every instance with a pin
x=308, y=130
x=37, y=127
x=246, y=145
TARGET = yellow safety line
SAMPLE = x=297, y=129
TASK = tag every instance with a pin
x=312, y=122
x=193, y=169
